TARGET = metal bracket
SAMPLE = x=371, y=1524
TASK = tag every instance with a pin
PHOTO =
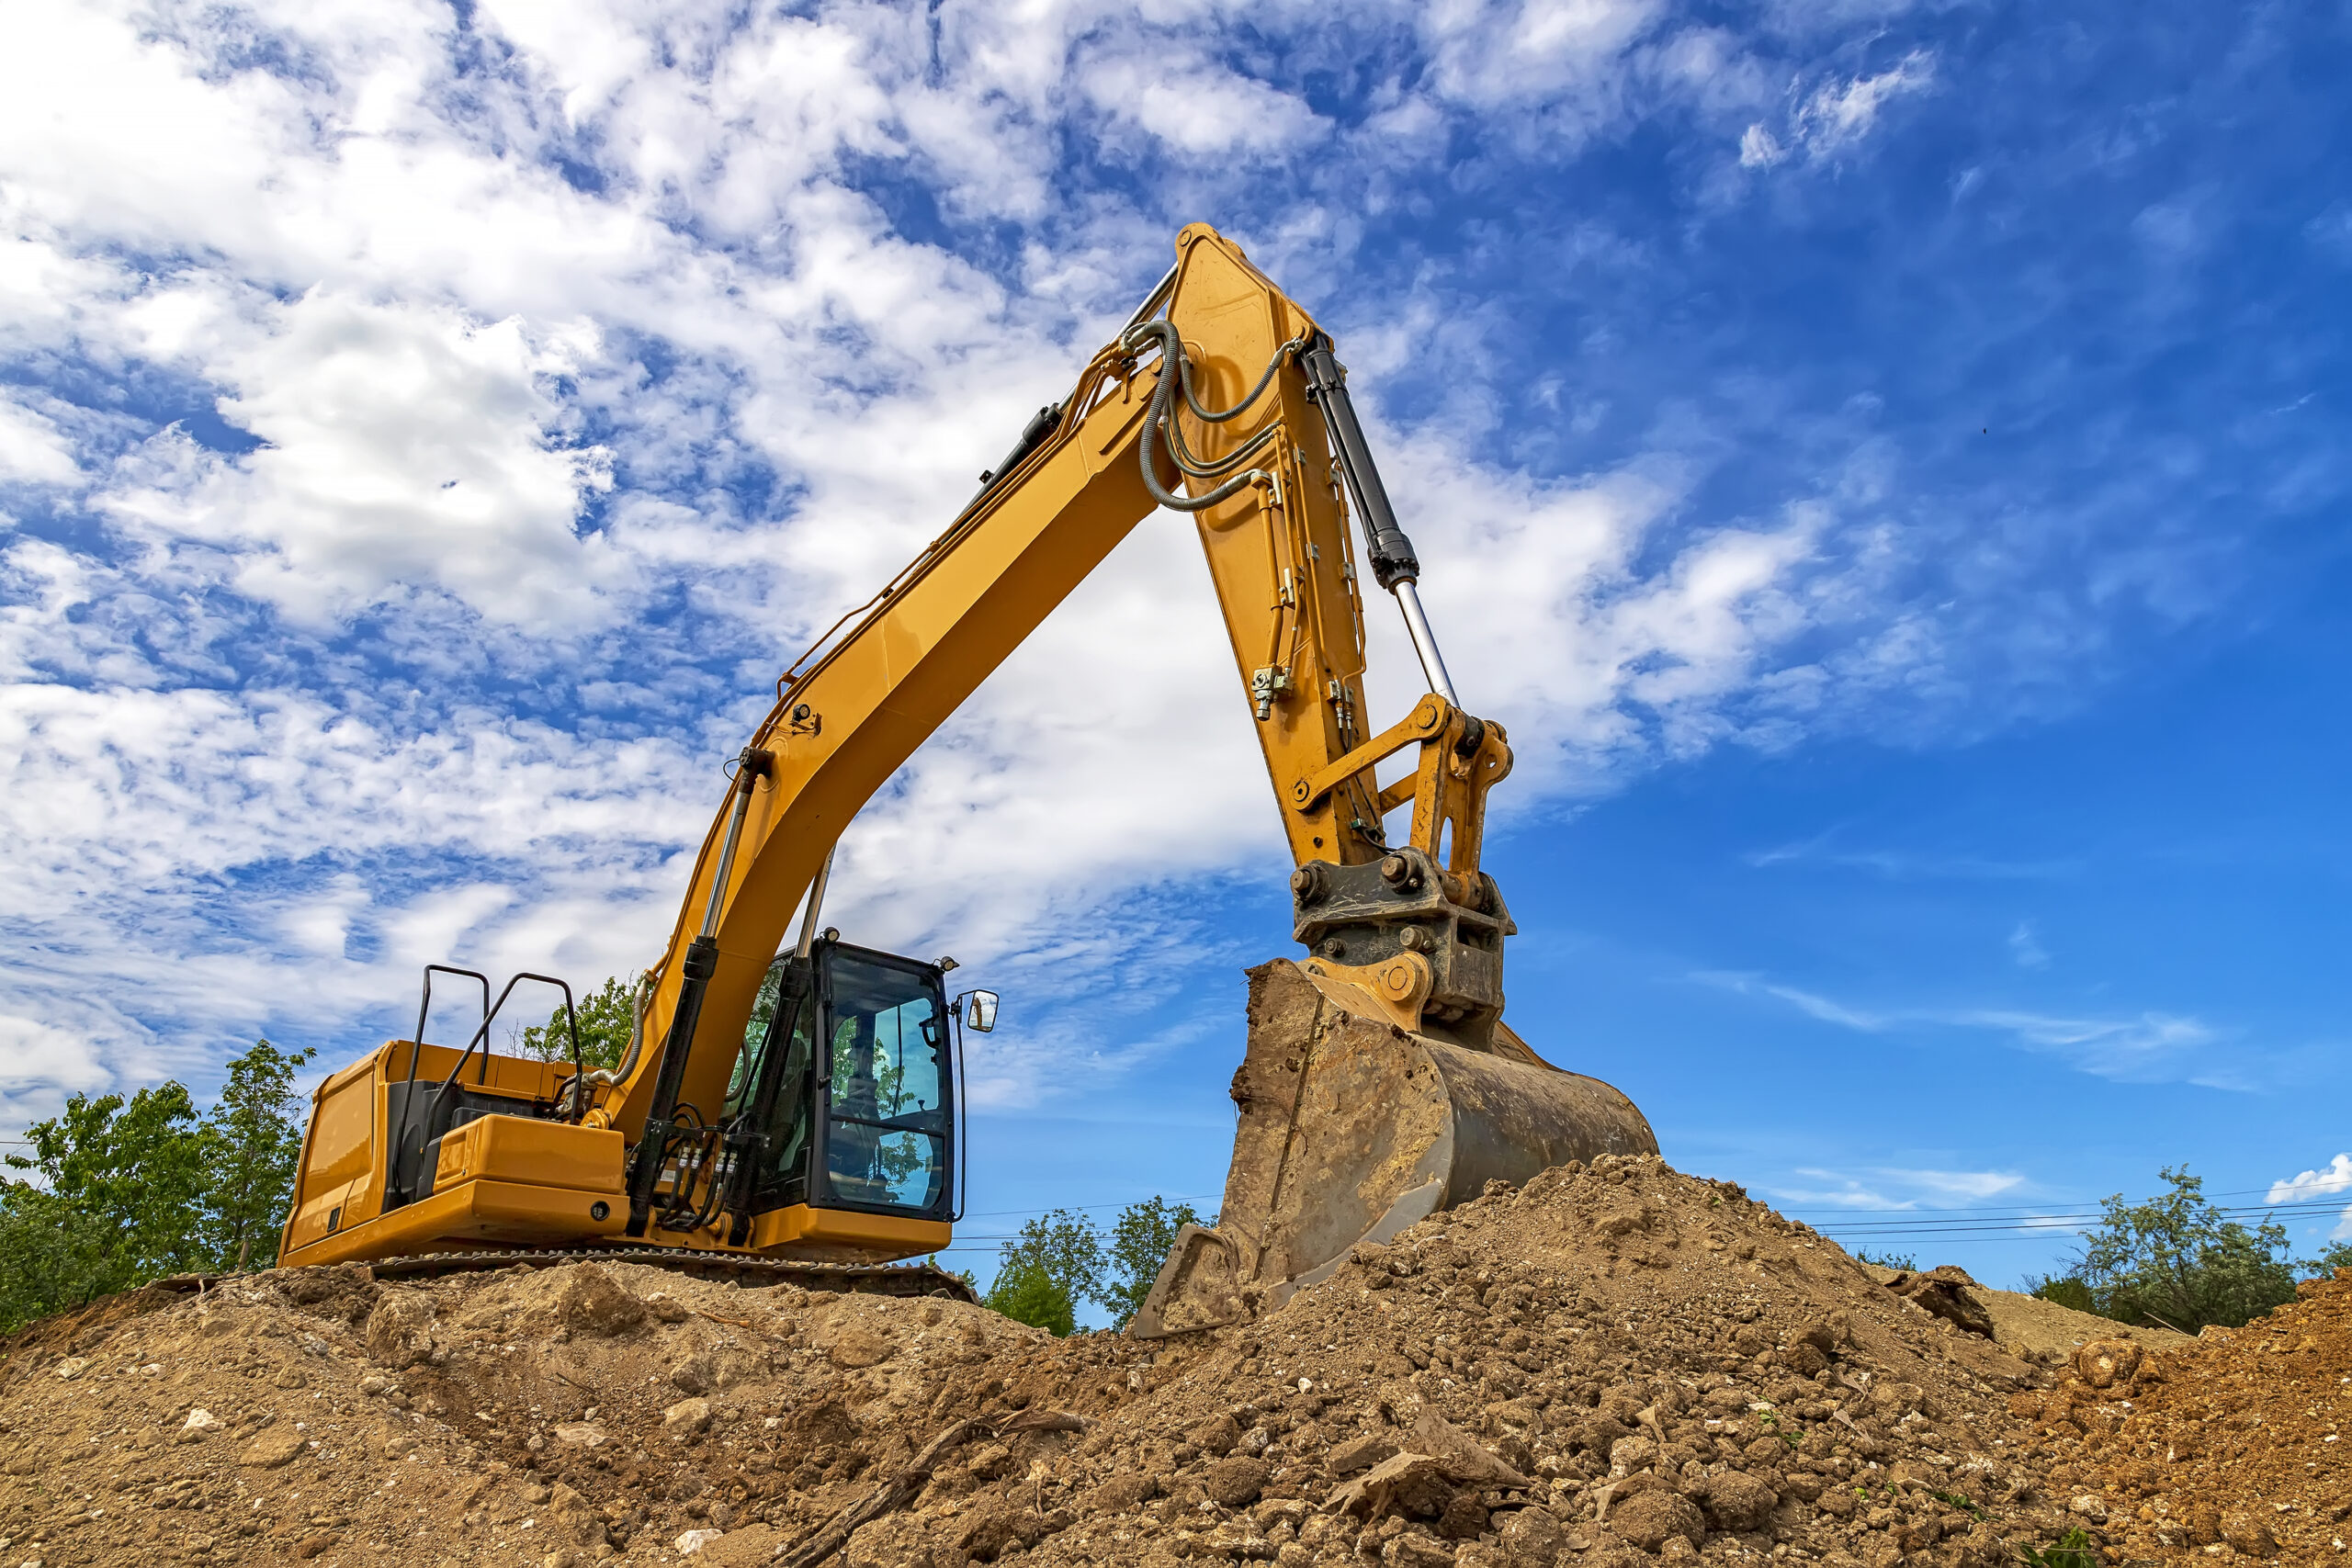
x=1427, y=718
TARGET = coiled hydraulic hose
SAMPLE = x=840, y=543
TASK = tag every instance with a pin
x=1175, y=376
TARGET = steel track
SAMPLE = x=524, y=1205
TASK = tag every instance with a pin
x=867, y=1279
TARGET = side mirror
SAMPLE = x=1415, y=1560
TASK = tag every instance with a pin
x=979, y=1011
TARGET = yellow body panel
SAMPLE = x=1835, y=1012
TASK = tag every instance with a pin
x=474, y=1214
x=546, y=1153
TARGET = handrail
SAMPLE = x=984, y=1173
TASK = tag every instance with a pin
x=424, y=1006
x=481, y=1036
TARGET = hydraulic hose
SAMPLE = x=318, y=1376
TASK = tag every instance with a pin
x=1175, y=378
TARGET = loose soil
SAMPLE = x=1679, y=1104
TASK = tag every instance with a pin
x=1612, y=1366
x=2231, y=1447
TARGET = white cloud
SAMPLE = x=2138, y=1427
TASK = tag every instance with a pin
x=2148, y=1047
x=1900, y=1188
x=2026, y=948
x=32, y=450
x=405, y=446
x=1837, y=115
x=2330, y=1179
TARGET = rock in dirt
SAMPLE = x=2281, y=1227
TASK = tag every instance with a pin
x=280, y=1445
x=1651, y=1519
x=590, y=1301
x=400, y=1331
x=2104, y=1364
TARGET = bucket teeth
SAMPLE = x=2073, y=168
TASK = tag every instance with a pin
x=1352, y=1128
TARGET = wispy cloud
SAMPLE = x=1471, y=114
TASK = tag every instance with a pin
x=1907, y=865
x=2026, y=948
x=2148, y=1047
x=1896, y=1187
x=1836, y=115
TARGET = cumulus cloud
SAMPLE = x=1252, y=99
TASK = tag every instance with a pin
x=2330, y=1179
x=402, y=447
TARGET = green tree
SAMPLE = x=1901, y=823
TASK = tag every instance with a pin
x=118, y=1200
x=606, y=1017
x=2179, y=1262
x=1024, y=1293
x=52, y=1258
x=2334, y=1257
x=1044, y=1270
x=1140, y=1238
x=1905, y=1262
x=252, y=1141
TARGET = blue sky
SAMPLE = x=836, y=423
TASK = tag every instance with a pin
x=1886, y=463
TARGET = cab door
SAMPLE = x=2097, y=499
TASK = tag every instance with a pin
x=885, y=1086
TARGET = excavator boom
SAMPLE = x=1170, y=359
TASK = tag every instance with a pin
x=748, y=1115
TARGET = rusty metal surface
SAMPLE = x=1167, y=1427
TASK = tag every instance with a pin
x=1353, y=1127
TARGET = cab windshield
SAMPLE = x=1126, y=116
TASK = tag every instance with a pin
x=886, y=1137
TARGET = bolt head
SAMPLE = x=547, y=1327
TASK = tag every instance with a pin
x=1395, y=870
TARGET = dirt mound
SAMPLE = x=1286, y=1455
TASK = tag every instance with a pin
x=1608, y=1367
x=2233, y=1446
x=2028, y=1325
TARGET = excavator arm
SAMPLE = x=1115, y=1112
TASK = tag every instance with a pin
x=851, y=713
x=1223, y=400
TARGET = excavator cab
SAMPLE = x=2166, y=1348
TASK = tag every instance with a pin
x=866, y=1122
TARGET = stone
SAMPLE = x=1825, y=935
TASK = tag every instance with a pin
x=1737, y=1501
x=1629, y=1454
x=1415, y=1551
x=1360, y=1453
x=665, y=1308
x=1948, y=1293
x=693, y=1541
x=988, y=1462
x=2090, y=1508
x=685, y=1419
x=579, y=1435
x=2104, y=1364
x=1650, y=1519
x=276, y=1448
x=1122, y=1493
x=312, y=1545
x=73, y=1367
x=2247, y=1533
x=592, y=1302
x=1530, y=1537
x=1216, y=1437
x=400, y=1331
x=1236, y=1483
x=201, y=1420
x=1289, y=1511
x=571, y=1516
x=857, y=1345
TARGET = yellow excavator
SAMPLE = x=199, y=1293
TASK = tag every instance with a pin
x=788, y=1106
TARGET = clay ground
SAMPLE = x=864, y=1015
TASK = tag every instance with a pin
x=1609, y=1367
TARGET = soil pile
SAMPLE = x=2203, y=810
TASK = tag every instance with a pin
x=1609, y=1367
x=2233, y=1447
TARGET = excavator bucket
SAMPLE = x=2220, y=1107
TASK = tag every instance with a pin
x=1352, y=1128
